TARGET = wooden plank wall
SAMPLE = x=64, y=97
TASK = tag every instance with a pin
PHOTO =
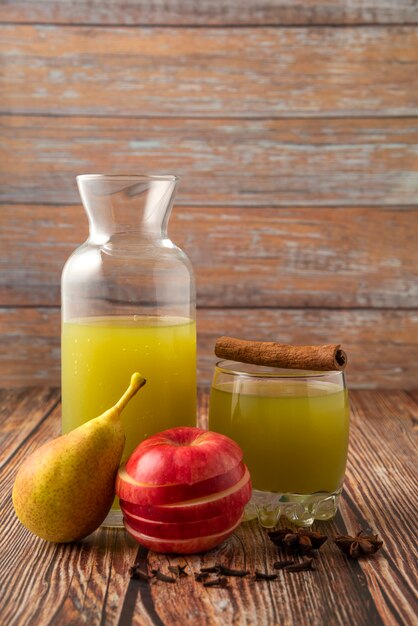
x=295, y=129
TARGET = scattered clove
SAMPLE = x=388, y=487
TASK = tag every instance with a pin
x=227, y=571
x=301, y=541
x=295, y=541
x=264, y=576
x=137, y=573
x=180, y=570
x=303, y=566
x=213, y=569
x=359, y=545
x=282, y=564
x=216, y=582
x=163, y=577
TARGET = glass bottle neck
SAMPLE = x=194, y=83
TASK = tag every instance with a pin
x=127, y=208
x=119, y=233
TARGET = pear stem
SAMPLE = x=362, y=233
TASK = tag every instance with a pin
x=137, y=381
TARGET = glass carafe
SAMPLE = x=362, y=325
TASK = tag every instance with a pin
x=128, y=304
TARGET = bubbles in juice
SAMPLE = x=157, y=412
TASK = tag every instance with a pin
x=99, y=355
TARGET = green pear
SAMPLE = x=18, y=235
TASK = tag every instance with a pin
x=64, y=490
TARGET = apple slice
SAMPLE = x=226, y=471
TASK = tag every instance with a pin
x=183, y=456
x=234, y=498
x=127, y=488
x=184, y=530
x=181, y=546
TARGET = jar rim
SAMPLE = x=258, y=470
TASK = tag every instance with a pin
x=251, y=370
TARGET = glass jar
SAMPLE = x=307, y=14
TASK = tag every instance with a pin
x=128, y=304
x=292, y=426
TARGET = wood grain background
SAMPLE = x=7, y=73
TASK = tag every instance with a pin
x=295, y=131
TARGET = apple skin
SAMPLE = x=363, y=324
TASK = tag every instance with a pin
x=139, y=493
x=183, y=455
x=184, y=530
x=214, y=505
x=182, y=546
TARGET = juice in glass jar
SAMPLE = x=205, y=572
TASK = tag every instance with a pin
x=294, y=439
x=99, y=355
x=293, y=431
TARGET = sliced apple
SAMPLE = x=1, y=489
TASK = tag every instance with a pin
x=183, y=455
x=183, y=490
x=232, y=499
x=181, y=546
x=127, y=488
x=184, y=530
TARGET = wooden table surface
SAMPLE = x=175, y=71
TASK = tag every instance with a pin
x=88, y=582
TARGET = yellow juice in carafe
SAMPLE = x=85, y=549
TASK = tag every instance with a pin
x=100, y=354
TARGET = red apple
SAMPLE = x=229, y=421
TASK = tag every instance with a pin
x=181, y=546
x=183, y=455
x=183, y=490
x=234, y=498
x=184, y=530
x=142, y=493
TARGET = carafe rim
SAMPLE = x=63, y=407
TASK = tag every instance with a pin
x=167, y=177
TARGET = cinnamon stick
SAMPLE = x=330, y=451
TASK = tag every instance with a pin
x=270, y=353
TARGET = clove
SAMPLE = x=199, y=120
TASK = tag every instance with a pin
x=303, y=566
x=213, y=569
x=216, y=582
x=282, y=564
x=227, y=571
x=180, y=570
x=137, y=573
x=264, y=576
x=163, y=577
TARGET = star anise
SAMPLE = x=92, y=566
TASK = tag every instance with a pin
x=301, y=541
x=359, y=545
